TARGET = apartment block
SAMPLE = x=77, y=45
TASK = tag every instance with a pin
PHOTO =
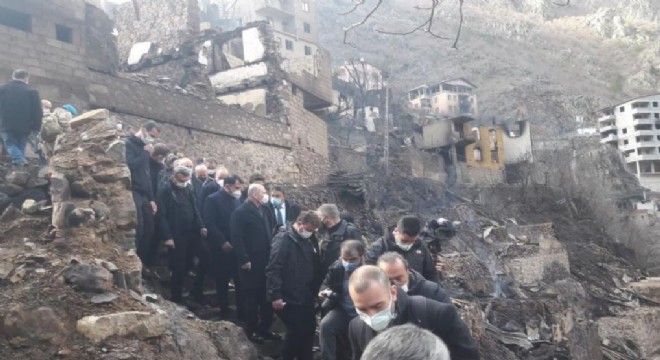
x=634, y=128
x=450, y=98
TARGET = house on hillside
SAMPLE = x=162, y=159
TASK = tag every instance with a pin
x=450, y=98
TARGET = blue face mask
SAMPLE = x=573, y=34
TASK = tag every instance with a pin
x=276, y=202
x=350, y=266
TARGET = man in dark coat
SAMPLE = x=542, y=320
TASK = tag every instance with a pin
x=180, y=225
x=254, y=179
x=335, y=232
x=210, y=187
x=200, y=178
x=284, y=210
x=338, y=304
x=156, y=164
x=293, y=278
x=20, y=115
x=405, y=241
x=413, y=283
x=218, y=208
x=139, y=148
x=251, y=229
x=381, y=305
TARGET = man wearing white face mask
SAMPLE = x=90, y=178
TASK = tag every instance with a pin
x=211, y=187
x=405, y=241
x=381, y=305
x=251, y=228
x=294, y=278
x=396, y=268
x=222, y=262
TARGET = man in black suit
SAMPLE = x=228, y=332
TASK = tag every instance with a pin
x=284, y=211
x=218, y=208
x=20, y=114
x=211, y=187
x=251, y=228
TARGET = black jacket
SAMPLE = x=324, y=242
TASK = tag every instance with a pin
x=198, y=184
x=293, y=272
x=169, y=212
x=20, y=108
x=292, y=211
x=218, y=208
x=419, y=257
x=251, y=235
x=334, y=278
x=419, y=286
x=138, y=160
x=155, y=169
x=441, y=319
x=332, y=239
x=209, y=188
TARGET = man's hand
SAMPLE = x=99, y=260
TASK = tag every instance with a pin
x=247, y=266
x=440, y=266
x=154, y=207
x=226, y=247
x=203, y=232
x=170, y=244
x=278, y=305
x=149, y=148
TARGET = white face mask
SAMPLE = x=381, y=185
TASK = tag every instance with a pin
x=180, y=184
x=265, y=199
x=403, y=246
x=237, y=194
x=221, y=182
x=306, y=234
x=404, y=287
x=380, y=320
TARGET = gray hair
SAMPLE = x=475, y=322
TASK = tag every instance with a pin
x=406, y=342
x=365, y=276
x=254, y=188
x=20, y=74
x=179, y=162
x=329, y=210
x=201, y=167
x=391, y=258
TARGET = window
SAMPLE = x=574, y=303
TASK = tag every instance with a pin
x=308, y=50
x=657, y=115
x=624, y=131
x=448, y=96
x=294, y=89
x=305, y=6
x=622, y=109
x=625, y=142
x=64, y=33
x=495, y=156
x=308, y=28
x=289, y=44
x=655, y=104
x=15, y=19
x=477, y=154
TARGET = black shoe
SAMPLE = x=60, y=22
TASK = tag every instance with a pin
x=256, y=338
x=271, y=336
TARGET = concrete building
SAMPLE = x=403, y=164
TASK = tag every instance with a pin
x=450, y=98
x=634, y=128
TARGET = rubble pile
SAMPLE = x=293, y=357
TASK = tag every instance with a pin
x=71, y=282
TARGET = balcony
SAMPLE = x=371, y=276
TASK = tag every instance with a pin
x=275, y=8
x=641, y=110
x=606, y=119
x=642, y=157
x=608, y=128
x=611, y=138
x=646, y=133
x=648, y=121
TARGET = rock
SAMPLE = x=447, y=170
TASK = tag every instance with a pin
x=117, y=151
x=19, y=178
x=17, y=275
x=104, y=298
x=59, y=187
x=107, y=265
x=5, y=200
x=79, y=217
x=119, y=280
x=5, y=269
x=30, y=207
x=84, y=188
x=89, y=117
x=11, y=213
x=112, y=175
x=142, y=325
x=60, y=213
x=10, y=189
x=91, y=278
x=42, y=324
x=101, y=210
x=100, y=132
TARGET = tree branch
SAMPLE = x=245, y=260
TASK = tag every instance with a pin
x=363, y=21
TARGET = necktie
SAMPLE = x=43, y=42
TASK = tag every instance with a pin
x=280, y=220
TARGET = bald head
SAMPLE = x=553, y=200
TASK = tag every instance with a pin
x=370, y=290
x=406, y=342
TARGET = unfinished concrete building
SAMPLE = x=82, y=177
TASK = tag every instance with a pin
x=449, y=98
x=70, y=50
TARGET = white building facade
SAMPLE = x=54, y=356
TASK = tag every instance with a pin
x=634, y=128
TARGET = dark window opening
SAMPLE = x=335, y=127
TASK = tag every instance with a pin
x=289, y=44
x=622, y=109
x=625, y=142
x=657, y=116
x=64, y=33
x=625, y=131
x=495, y=156
x=308, y=50
x=15, y=19
x=308, y=28
x=655, y=104
x=294, y=89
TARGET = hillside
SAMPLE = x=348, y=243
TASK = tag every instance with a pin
x=556, y=61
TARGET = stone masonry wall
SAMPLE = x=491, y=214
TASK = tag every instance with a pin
x=57, y=68
x=166, y=22
x=100, y=45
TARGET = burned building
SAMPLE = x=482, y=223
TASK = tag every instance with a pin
x=74, y=56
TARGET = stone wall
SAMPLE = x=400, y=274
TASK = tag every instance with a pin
x=471, y=175
x=58, y=69
x=101, y=46
x=169, y=23
x=640, y=325
x=535, y=263
x=518, y=148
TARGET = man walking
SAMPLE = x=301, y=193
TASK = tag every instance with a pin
x=294, y=278
x=139, y=148
x=336, y=231
x=20, y=115
x=218, y=208
x=251, y=229
x=180, y=225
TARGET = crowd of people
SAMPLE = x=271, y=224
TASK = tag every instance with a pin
x=382, y=301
